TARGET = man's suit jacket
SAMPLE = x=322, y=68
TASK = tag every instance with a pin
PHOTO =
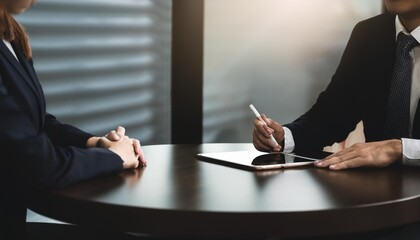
x=37, y=151
x=358, y=90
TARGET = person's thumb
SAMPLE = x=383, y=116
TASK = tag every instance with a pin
x=113, y=136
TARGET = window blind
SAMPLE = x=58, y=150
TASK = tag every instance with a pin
x=105, y=63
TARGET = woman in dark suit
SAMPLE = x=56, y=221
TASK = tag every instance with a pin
x=36, y=150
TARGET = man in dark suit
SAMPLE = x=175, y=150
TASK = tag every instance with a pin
x=377, y=82
x=36, y=150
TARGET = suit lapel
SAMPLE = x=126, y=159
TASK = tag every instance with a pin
x=18, y=66
x=24, y=62
x=25, y=70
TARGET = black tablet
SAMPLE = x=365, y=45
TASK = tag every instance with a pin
x=256, y=160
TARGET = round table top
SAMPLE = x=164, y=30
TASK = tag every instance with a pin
x=178, y=195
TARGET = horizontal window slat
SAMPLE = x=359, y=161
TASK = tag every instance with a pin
x=92, y=64
x=74, y=44
x=103, y=85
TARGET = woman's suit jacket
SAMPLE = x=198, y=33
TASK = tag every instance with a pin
x=36, y=149
x=358, y=90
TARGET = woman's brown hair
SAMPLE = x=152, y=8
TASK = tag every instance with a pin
x=11, y=30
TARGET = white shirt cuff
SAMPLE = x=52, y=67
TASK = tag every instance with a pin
x=289, y=142
x=411, y=151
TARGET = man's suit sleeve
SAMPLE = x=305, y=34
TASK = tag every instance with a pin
x=337, y=109
x=39, y=160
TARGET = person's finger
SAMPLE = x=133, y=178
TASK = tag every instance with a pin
x=275, y=126
x=337, y=158
x=113, y=136
x=262, y=128
x=266, y=140
x=266, y=119
x=331, y=159
x=257, y=142
x=351, y=163
x=136, y=145
x=275, y=129
x=268, y=130
x=120, y=130
x=135, y=163
x=126, y=138
x=264, y=143
x=103, y=142
x=139, y=152
x=327, y=162
x=268, y=124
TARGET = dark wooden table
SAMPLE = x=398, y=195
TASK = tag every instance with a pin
x=177, y=195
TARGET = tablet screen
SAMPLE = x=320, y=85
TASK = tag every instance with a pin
x=277, y=158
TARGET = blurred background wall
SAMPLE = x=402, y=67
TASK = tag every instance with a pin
x=277, y=54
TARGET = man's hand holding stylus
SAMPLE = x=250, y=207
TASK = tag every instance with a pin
x=262, y=134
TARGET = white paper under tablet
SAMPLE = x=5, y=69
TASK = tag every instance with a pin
x=255, y=160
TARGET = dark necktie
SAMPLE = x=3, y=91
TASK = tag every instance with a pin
x=398, y=115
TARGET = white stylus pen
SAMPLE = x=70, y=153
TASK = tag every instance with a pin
x=258, y=115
